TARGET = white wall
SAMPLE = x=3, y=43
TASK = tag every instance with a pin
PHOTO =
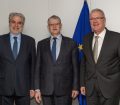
x=112, y=11
x=38, y=11
x=35, y=11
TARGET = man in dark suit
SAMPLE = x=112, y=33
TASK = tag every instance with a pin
x=100, y=66
x=57, y=71
x=17, y=63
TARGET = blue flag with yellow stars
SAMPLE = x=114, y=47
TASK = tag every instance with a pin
x=82, y=28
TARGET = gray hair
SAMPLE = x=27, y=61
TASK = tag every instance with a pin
x=99, y=10
x=11, y=15
x=54, y=17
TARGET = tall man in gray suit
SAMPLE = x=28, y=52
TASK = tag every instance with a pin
x=57, y=71
x=100, y=66
x=17, y=63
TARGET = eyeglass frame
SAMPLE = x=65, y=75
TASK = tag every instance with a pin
x=97, y=18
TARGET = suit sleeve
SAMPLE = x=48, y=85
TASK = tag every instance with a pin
x=82, y=72
x=82, y=69
x=32, y=64
x=75, y=68
x=37, y=69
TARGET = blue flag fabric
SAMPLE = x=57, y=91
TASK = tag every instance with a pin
x=82, y=28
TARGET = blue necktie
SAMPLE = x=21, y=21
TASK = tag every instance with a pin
x=15, y=47
x=54, y=49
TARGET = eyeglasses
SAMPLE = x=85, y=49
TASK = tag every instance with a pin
x=57, y=24
x=97, y=18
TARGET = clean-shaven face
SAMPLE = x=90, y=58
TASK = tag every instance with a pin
x=54, y=26
x=97, y=21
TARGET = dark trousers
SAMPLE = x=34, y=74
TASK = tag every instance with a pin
x=15, y=100
x=56, y=100
x=98, y=99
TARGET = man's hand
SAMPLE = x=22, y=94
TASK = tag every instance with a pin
x=83, y=90
x=32, y=93
x=74, y=93
x=38, y=96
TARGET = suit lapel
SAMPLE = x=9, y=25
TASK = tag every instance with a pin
x=8, y=47
x=104, y=46
x=62, y=47
x=48, y=49
x=90, y=47
x=21, y=46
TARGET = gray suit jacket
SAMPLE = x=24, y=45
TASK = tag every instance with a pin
x=59, y=77
x=107, y=69
x=17, y=76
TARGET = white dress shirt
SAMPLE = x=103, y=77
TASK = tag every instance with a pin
x=100, y=41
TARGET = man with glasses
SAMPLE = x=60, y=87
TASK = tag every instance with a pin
x=17, y=63
x=100, y=66
x=57, y=68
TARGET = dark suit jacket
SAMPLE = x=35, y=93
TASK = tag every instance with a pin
x=0, y=100
x=16, y=76
x=59, y=77
x=107, y=69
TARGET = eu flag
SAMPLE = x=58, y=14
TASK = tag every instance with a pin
x=82, y=28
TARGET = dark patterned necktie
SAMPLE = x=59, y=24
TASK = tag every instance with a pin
x=15, y=47
x=54, y=49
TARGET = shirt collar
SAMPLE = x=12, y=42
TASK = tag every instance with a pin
x=102, y=34
x=18, y=36
x=58, y=36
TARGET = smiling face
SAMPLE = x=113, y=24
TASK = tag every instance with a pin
x=16, y=25
x=97, y=21
x=54, y=26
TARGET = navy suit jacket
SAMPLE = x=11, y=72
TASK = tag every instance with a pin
x=62, y=76
x=17, y=75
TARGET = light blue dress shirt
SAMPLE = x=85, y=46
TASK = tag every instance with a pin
x=58, y=44
x=18, y=41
